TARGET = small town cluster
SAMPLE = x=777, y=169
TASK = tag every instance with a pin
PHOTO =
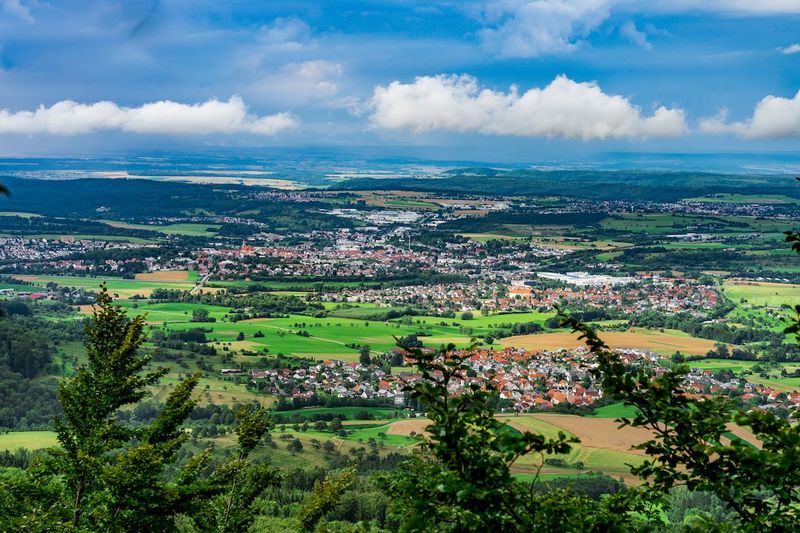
x=526, y=380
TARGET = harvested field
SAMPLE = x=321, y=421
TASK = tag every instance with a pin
x=602, y=433
x=744, y=434
x=405, y=427
x=164, y=275
x=666, y=342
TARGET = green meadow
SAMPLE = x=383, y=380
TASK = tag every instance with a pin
x=762, y=294
x=123, y=287
x=187, y=229
x=31, y=440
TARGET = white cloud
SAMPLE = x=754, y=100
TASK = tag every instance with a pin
x=774, y=117
x=298, y=83
x=729, y=7
x=634, y=35
x=528, y=29
x=564, y=108
x=165, y=117
x=285, y=31
x=791, y=49
x=17, y=9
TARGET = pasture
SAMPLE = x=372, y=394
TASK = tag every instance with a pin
x=31, y=440
x=664, y=342
x=761, y=293
x=124, y=288
x=186, y=229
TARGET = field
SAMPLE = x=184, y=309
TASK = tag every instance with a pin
x=345, y=413
x=762, y=293
x=728, y=198
x=124, y=288
x=327, y=337
x=165, y=275
x=772, y=370
x=31, y=440
x=189, y=230
x=665, y=343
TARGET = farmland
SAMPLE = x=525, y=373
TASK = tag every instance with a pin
x=30, y=440
x=762, y=293
x=124, y=288
x=664, y=342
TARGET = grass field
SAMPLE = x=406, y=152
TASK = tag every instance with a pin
x=345, y=413
x=773, y=371
x=124, y=288
x=762, y=293
x=190, y=230
x=603, y=448
x=665, y=343
x=31, y=440
x=615, y=410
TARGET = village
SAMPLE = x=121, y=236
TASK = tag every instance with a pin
x=526, y=381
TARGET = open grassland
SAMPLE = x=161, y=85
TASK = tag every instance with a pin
x=124, y=288
x=31, y=440
x=171, y=312
x=773, y=378
x=667, y=224
x=187, y=229
x=762, y=293
x=345, y=413
x=84, y=236
x=615, y=410
x=664, y=342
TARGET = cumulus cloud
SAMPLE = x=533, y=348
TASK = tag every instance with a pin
x=774, y=117
x=165, y=117
x=791, y=49
x=564, y=108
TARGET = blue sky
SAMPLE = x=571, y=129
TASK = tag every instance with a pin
x=524, y=79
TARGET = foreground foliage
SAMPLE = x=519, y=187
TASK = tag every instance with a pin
x=107, y=476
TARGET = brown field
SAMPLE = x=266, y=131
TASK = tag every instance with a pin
x=665, y=343
x=602, y=433
x=164, y=275
x=744, y=434
x=405, y=427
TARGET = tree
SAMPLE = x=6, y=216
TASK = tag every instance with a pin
x=335, y=425
x=107, y=476
x=461, y=479
x=364, y=357
x=295, y=446
x=467, y=315
x=110, y=485
x=759, y=485
x=201, y=315
x=240, y=336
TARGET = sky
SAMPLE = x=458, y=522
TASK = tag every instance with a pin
x=509, y=79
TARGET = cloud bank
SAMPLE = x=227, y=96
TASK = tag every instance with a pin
x=774, y=117
x=531, y=28
x=164, y=117
x=564, y=108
